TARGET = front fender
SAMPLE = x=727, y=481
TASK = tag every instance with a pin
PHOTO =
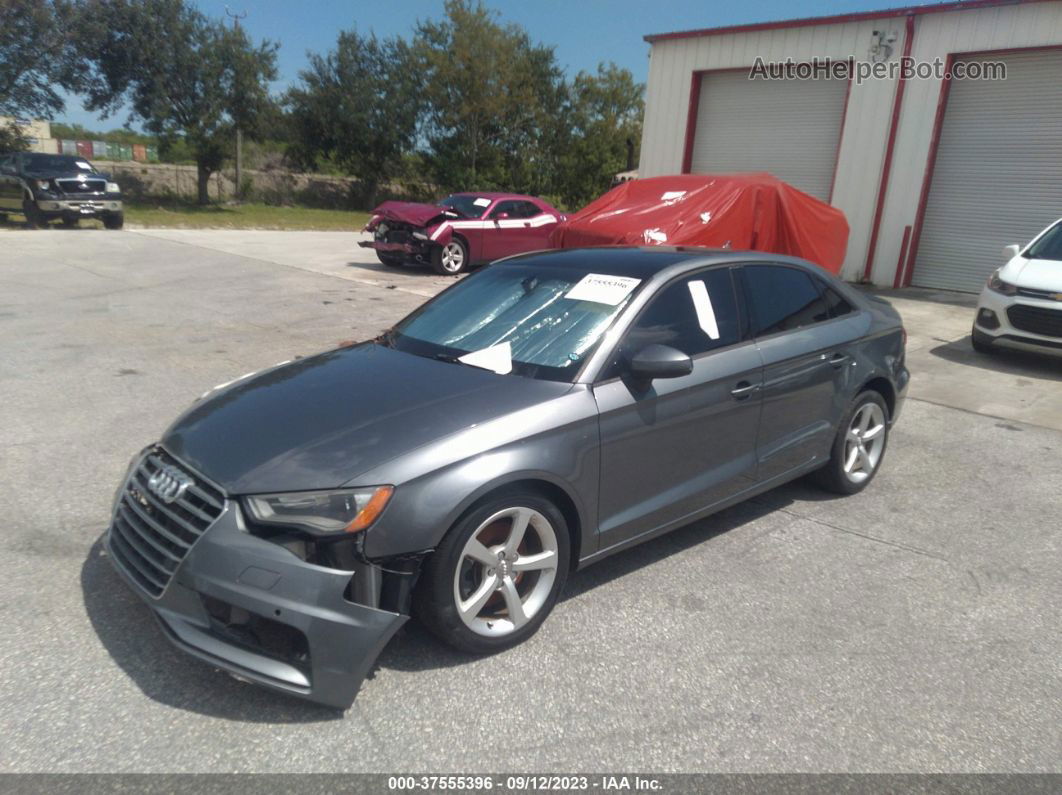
x=437, y=484
x=442, y=234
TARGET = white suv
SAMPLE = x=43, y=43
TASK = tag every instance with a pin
x=1021, y=306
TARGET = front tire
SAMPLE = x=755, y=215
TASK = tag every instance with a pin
x=497, y=573
x=391, y=260
x=451, y=259
x=981, y=342
x=114, y=220
x=69, y=223
x=859, y=447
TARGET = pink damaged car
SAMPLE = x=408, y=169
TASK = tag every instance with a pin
x=462, y=230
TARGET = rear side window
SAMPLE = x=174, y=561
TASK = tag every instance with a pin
x=781, y=299
x=527, y=210
x=695, y=315
x=835, y=302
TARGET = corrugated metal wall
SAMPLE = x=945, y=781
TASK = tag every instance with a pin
x=866, y=120
x=869, y=110
x=1006, y=27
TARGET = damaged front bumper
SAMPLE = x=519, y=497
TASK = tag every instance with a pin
x=249, y=606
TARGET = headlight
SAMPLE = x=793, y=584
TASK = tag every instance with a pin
x=420, y=236
x=321, y=512
x=998, y=285
x=44, y=184
x=114, y=187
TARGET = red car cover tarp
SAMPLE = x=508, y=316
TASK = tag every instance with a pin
x=755, y=212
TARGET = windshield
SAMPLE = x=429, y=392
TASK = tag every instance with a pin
x=468, y=206
x=539, y=316
x=1047, y=247
x=57, y=164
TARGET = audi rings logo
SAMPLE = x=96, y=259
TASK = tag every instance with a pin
x=169, y=483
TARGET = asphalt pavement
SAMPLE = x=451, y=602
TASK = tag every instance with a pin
x=913, y=627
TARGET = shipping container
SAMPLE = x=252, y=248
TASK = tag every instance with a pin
x=84, y=148
x=99, y=150
x=125, y=152
x=152, y=154
x=68, y=147
x=139, y=153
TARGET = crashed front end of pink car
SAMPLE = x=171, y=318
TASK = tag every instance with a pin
x=404, y=231
x=461, y=231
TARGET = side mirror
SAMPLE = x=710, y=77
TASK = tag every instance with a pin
x=501, y=216
x=1010, y=252
x=660, y=361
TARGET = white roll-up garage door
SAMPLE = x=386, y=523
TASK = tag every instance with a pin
x=789, y=128
x=997, y=179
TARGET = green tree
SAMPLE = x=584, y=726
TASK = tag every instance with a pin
x=605, y=117
x=356, y=108
x=37, y=57
x=493, y=100
x=187, y=78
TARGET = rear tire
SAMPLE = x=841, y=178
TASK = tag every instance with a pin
x=859, y=446
x=34, y=217
x=391, y=260
x=451, y=259
x=981, y=342
x=497, y=573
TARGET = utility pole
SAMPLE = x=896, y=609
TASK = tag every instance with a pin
x=239, y=133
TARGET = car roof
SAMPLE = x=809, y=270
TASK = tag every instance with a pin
x=643, y=262
x=494, y=195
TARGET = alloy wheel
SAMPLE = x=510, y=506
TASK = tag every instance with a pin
x=453, y=257
x=864, y=442
x=506, y=571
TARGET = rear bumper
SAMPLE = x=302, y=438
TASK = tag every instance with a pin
x=900, y=382
x=254, y=609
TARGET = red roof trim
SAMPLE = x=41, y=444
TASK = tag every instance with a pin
x=837, y=19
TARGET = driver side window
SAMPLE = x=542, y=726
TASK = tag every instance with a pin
x=503, y=207
x=695, y=314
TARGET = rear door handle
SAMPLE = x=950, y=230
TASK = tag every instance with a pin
x=743, y=390
x=838, y=359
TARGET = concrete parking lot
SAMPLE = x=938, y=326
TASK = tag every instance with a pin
x=914, y=627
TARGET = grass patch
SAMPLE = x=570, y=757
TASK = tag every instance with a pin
x=185, y=215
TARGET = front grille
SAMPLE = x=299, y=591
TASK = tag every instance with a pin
x=78, y=187
x=149, y=536
x=1047, y=295
x=397, y=236
x=1036, y=320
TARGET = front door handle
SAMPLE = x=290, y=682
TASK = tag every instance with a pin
x=743, y=390
x=838, y=359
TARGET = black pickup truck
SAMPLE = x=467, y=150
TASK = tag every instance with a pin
x=47, y=187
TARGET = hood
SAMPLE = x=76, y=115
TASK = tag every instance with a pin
x=1035, y=274
x=320, y=421
x=413, y=213
x=63, y=173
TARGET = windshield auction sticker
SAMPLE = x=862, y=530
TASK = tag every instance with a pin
x=602, y=289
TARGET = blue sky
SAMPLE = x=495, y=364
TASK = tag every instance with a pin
x=584, y=32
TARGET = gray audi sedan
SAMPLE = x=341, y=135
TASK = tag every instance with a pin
x=534, y=418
